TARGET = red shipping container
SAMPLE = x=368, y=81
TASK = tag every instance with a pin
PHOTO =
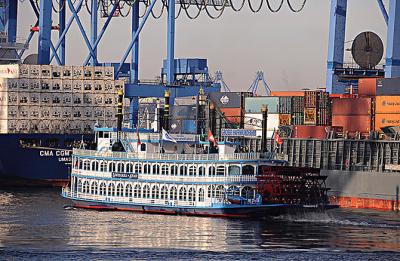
x=305, y=132
x=367, y=87
x=356, y=123
x=358, y=106
x=342, y=95
x=232, y=115
x=288, y=93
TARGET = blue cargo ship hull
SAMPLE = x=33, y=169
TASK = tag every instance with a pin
x=37, y=159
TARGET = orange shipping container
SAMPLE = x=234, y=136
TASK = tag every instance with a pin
x=352, y=123
x=387, y=104
x=386, y=120
x=284, y=119
x=367, y=87
x=288, y=93
x=232, y=115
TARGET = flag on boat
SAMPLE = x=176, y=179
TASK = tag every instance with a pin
x=211, y=138
x=277, y=138
x=166, y=136
x=138, y=137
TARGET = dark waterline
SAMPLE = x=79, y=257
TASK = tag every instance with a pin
x=35, y=226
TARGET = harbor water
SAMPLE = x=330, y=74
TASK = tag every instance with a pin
x=34, y=225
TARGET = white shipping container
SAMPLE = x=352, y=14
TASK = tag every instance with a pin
x=34, y=71
x=98, y=73
x=66, y=72
x=98, y=99
x=87, y=99
x=34, y=98
x=98, y=112
x=44, y=126
x=98, y=86
x=3, y=112
x=88, y=72
x=12, y=112
x=34, y=112
x=253, y=121
x=45, y=72
x=34, y=126
x=56, y=99
x=66, y=85
x=23, y=98
x=4, y=97
x=109, y=99
x=88, y=113
x=9, y=71
x=55, y=126
x=12, y=126
x=76, y=126
x=77, y=85
x=24, y=84
x=109, y=73
x=88, y=86
x=56, y=85
x=77, y=112
x=3, y=126
x=56, y=72
x=109, y=112
x=45, y=99
x=67, y=99
x=24, y=112
x=67, y=112
x=35, y=84
x=3, y=85
x=45, y=85
x=119, y=85
x=56, y=112
x=109, y=86
x=23, y=126
x=77, y=99
x=77, y=72
x=45, y=112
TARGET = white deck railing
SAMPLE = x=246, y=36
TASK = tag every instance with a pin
x=166, y=156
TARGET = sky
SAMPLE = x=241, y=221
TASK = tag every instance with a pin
x=290, y=48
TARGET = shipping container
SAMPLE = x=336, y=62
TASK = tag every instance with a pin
x=109, y=73
x=119, y=85
x=88, y=86
x=388, y=86
x=4, y=128
x=23, y=84
x=88, y=73
x=77, y=72
x=323, y=117
x=98, y=86
x=44, y=126
x=98, y=112
x=324, y=101
x=34, y=112
x=254, y=104
x=387, y=104
x=285, y=119
x=34, y=126
x=232, y=115
x=34, y=98
x=67, y=73
x=311, y=99
x=56, y=72
x=4, y=112
x=77, y=99
x=88, y=113
x=298, y=104
x=109, y=86
x=87, y=99
x=77, y=86
x=9, y=71
x=342, y=96
x=253, y=121
x=56, y=85
x=98, y=73
x=23, y=98
x=285, y=105
x=185, y=101
x=35, y=84
x=23, y=112
x=110, y=112
x=34, y=71
x=298, y=118
x=309, y=132
x=66, y=85
x=184, y=112
x=353, y=123
x=45, y=72
x=367, y=87
x=189, y=126
x=56, y=99
x=67, y=112
x=310, y=116
x=55, y=112
x=56, y=126
x=77, y=112
x=386, y=120
x=98, y=99
x=23, y=126
x=45, y=112
x=12, y=126
x=45, y=84
x=109, y=99
x=4, y=97
x=288, y=94
x=351, y=106
x=45, y=99
x=13, y=98
x=229, y=99
x=12, y=112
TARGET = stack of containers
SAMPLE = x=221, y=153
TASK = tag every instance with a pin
x=311, y=99
x=353, y=114
x=387, y=111
x=55, y=99
x=323, y=109
x=253, y=116
x=285, y=110
x=298, y=110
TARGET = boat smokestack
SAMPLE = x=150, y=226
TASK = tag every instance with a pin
x=201, y=112
x=213, y=119
x=166, y=110
x=264, y=112
x=120, y=110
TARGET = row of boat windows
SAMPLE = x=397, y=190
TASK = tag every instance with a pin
x=182, y=193
x=163, y=169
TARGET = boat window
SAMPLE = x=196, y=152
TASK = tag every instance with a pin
x=86, y=165
x=86, y=186
x=93, y=188
x=233, y=191
x=137, y=191
x=129, y=167
x=233, y=170
x=192, y=171
x=80, y=165
x=120, y=189
x=247, y=192
x=201, y=195
x=211, y=191
x=164, y=192
x=146, y=168
x=143, y=147
x=128, y=191
x=138, y=168
x=146, y=191
x=248, y=170
x=219, y=192
x=164, y=169
x=192, y=194
x=102, y=189
x=111, y=167
x=183, y=171
x=156, y=169
x=202, y=171
x=100, y=134
x=111, y=189
x=173, y=193
x=95, y=166
x=106, y=135
x=155, y=192
x=211, y=171
x=80, y=185
x=120, y=167
x=182, y=194
x=221, y=171
x=174, y=170
x=103, y=166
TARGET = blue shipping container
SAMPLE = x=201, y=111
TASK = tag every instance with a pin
x=254, y=104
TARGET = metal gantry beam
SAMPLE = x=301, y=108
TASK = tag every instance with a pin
x=44, y=40
x=93, y=31
x=383, y=11
x=171, y=43
x=392, y=68
x=61, y=23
